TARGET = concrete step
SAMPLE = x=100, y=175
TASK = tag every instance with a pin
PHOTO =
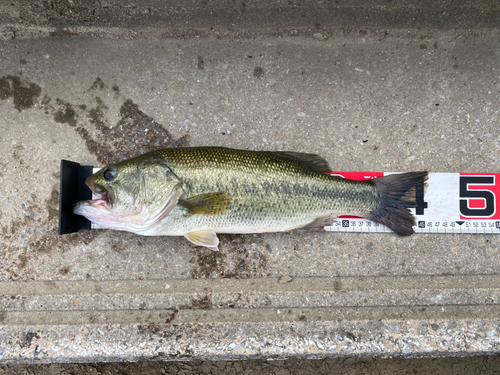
x=367, y=101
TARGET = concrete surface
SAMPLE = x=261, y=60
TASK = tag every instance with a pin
x=379, y=100
x=484, y=365
x=240, y=19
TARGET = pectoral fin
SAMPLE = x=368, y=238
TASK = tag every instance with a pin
x=205, y=237
x=206, y=204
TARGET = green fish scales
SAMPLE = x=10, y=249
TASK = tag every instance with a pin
x=268, y=190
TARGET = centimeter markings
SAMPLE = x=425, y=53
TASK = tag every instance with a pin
x=353, y=225
x=367, y=226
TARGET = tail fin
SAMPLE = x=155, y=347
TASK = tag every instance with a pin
x=396, y=194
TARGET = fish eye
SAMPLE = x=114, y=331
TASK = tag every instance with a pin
x=109, y=174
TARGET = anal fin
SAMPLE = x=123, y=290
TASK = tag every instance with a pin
x=320, y=223
x=205, y=237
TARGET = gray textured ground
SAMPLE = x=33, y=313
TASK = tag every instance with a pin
x=425, y=366
x=96, y=83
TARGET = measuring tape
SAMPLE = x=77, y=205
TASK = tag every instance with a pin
x=453, y=203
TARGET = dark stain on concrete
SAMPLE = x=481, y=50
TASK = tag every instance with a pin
x=30, y=336
x=23, y=93
x=64, y=271
x=134, y=134
x=247, y=253
x=258, y=72
x=139, y=133
x=98, y=84
x=66, y=114
x=49, y=242
x=50, y=284
x=26, y=240
x=209, y=264
x=204, y=302
x=151, y=328
x=52, y=204
x=92, y=145
x=201, y=63
x=337, y=286
x=16, y=154
x=171, y=316
x=23, y=261
x=347, y=335
x=46, y=104
x=96, y=115
x=236, y=259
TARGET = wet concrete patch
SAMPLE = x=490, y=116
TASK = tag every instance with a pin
x=203, y=302
x=22, y=92
x=201, y=63
x=52, y=204
x=98, y=84
x=24, y=240
x=258, y=72
x=207, y=263
x=135, y=132
x=139, y=133
x=239, y=257
x=66, y=114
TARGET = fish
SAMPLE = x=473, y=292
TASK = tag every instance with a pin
x=199, y=192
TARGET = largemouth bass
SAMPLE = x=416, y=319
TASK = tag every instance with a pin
x=199, y=192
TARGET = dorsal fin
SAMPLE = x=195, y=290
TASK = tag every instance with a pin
x=310, y=161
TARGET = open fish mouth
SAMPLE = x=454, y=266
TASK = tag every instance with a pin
x=100, y=201
x=100, y=197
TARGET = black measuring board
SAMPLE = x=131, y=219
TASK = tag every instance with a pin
x=72, y=190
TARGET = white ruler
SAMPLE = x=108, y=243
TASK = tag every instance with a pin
x=453, y=203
